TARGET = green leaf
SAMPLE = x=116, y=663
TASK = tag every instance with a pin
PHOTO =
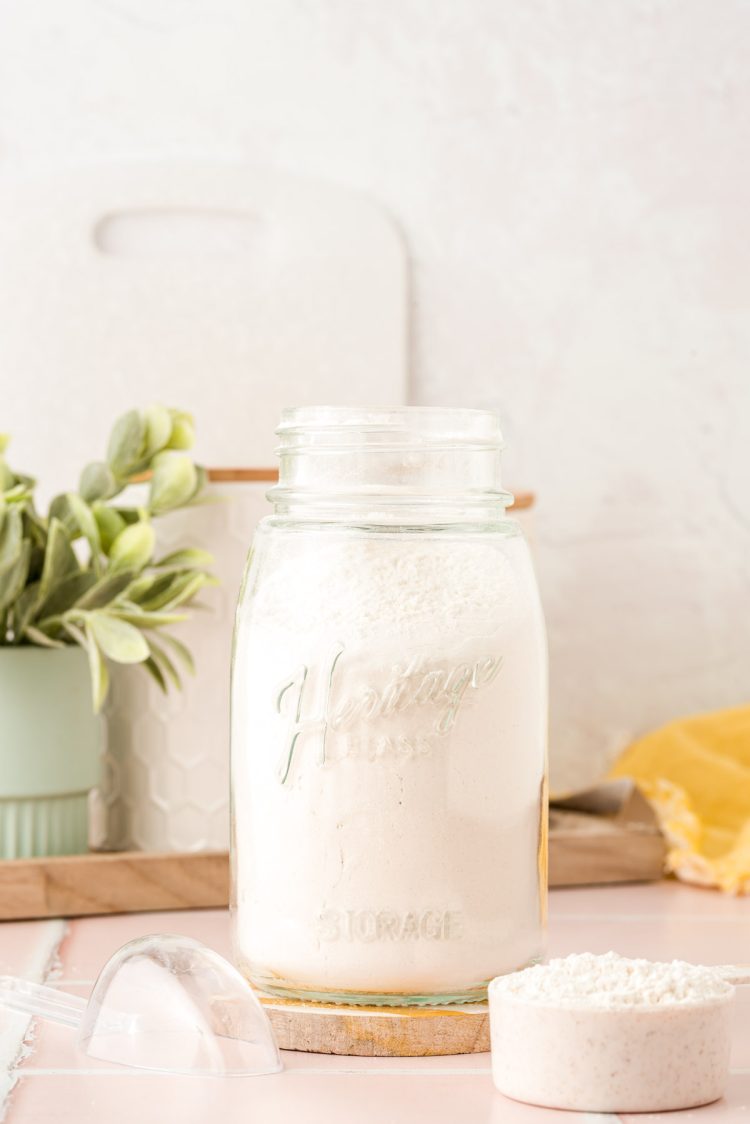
x=173, y=482
x=14, y=578
x=65, y=593
x=183, y=652
x=134, y=615
x=59, y=558
x=129, y=515
x=164, y=663
x=85, y=522
x=139, y=588
x=148, y=590
x=11, y=537
x=34, y=527
x=36, y=563
x=201, y=479
x=28, y=482
x=158, y=429
x=183, y=430
x=105, y=590
x=169, y=591
x=19, y=494
x=7, y=476
x=133, y=547
x=189, y=559
x=118, y=640
x=124, y=451
x=184, y=588
x=60, y=509
x=24, y=609
x=97, y=482
x=4, y=442
x=41, y=639
x=155, y=672
x=97, y=665
x=110, y=523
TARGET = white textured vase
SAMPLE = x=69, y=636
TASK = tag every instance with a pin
x=165, y=776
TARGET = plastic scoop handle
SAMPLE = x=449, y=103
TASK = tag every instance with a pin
x=50, y=1003
x=36, y=999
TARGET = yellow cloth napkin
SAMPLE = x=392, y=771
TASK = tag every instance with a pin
x=696, y=773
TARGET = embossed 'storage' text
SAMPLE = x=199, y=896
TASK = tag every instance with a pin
x=370, y=925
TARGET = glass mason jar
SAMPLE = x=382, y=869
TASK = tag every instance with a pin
x=389, y=717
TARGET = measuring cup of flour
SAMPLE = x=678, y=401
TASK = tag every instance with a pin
x=609, y=1034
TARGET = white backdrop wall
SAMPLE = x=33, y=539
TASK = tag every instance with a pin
x=571, y=180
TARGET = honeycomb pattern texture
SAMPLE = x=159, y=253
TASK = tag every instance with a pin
x=165, y=766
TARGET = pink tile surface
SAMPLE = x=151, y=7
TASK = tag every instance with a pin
x=653, y=899
x=663, y=938
x=307, y=1098
x=330, y=1063
x=56, y=1084
x=287, y=1098
x=91, y=940
x=54, y=1047
x=735, y=1105
x=20, y=940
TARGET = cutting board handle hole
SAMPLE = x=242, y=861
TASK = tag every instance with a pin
x=168, y=232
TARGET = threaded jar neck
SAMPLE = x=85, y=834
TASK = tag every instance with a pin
x=344, y=460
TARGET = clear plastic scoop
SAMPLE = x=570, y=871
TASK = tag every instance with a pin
x=164, y=1003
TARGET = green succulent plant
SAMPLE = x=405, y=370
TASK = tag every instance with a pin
x=86, y=573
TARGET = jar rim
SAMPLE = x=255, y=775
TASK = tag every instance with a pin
x=421, y=425
x=424, y=458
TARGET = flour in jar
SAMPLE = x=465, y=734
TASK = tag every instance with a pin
x=388, y=752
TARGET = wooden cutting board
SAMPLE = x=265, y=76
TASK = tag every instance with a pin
x=230, y=290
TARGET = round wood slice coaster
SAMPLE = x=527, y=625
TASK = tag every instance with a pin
x=378, y=1032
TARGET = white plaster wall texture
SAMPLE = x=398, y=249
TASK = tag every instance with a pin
x=571, y=180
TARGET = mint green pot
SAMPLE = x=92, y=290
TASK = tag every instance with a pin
x=49, y=751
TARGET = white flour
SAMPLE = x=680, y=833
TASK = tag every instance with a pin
x=608, y=1034
x=613, y=981
x=388, y=746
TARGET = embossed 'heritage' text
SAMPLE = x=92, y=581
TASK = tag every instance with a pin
x=317, y=704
